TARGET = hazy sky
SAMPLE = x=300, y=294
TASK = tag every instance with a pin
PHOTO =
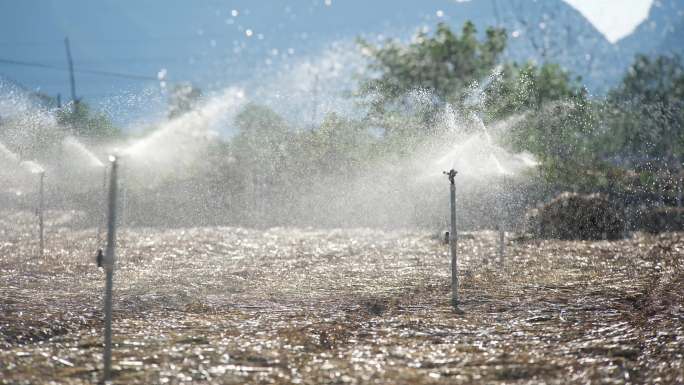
x=614, y=18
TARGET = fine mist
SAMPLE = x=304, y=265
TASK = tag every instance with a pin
x=231, y=160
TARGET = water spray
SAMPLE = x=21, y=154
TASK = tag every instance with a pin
x=108, y=263
x=453, y=238
x=8, y=156
x=79, y=155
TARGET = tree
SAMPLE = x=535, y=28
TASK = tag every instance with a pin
x=82, y=121
x=337, y=148
x=644, y=125
x=558, y=121
x=443, y=64
x=646, y=113
x=183, y=98
x=260, y=149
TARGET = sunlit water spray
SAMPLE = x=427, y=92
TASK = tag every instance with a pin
x=470, y=147
x=176, y=146
x=7, y=156
x=476, y=93
x=475, y=155
x=36, y=171
x=32, y=166
x=77, y=155
x=9, y=166
x=174, y=156
x=81, y=169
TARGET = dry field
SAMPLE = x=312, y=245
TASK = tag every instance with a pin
x=233, y=306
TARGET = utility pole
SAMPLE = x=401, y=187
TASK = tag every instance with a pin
x=497, y=16
x=314, y=108
x=70, y=62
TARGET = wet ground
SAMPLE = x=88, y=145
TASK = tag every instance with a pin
x=233, y=306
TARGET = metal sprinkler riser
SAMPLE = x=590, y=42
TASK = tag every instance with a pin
x=453, y=237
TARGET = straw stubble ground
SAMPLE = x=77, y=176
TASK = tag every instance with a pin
x=231, y=305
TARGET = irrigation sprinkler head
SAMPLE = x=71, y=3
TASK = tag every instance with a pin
x=451, y=174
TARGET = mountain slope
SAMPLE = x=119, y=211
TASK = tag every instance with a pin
x=215, y=43
x=662, y=33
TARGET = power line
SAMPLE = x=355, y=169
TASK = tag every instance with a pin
x=140, y=40
x=80, y=70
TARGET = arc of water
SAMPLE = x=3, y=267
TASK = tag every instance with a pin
x=8, y=156
x=85, y=156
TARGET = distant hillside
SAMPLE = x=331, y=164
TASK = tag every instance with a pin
x=553, y=31
x=661, y=33
x=215, y=43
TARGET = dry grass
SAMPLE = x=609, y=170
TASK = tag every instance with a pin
x=230, y=305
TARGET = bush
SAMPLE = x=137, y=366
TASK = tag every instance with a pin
x=662, y=219
x=576, y=216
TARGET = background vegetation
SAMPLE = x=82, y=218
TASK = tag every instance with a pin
x=629, y=143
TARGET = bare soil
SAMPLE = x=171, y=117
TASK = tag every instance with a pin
x=231, y=306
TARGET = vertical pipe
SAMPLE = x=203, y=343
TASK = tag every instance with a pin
x=124, y=200
x=502, y=239
x=101, y=221
x=109, y=268
x=41, y=208
x=502, y=227
x=256, y=191
x=453, y=239
x=680, y=187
